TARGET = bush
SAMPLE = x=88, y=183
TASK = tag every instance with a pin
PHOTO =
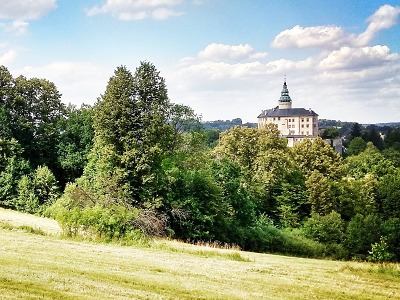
x=36, y=192
x=325, y=229
x=265, y=237
x=391, y=230
x=104, y=219
x=380, y=252
x=362, y=232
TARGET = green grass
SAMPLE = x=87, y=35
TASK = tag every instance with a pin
x=36, y=266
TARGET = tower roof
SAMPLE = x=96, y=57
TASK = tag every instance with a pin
x=285, y=94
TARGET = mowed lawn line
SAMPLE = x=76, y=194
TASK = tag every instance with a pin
x=35, y=266
x=17, y=219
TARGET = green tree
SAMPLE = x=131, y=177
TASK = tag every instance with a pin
x=361, y=233
x=317, y=155
x=325, y=229
x=330, y=133
x=388, y=195
x=356, y=146
x=320, y=195
x=37, y=192
x=34, y=109
x=12, y=168
x=355, y=131
x=76, y=141
x=292, y=204
x=264, y=160
x=392, y=139
x=371, y=161
x=371, y=134
x=132, y=135
x=392, y=155
x=356, y=196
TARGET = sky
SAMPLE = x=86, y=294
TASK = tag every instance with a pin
x=225, y=59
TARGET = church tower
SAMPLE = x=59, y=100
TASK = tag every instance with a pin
x=285, y=102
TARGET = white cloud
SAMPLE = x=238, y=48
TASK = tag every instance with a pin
x=385, y=17
x=17, y=27
x=128, y=10
x=220, y=52
x=300, y=37
x=8, y=57
x=357, y=58
x=78, y=82
x=21, y=10
x=334, y=36
x=25, y=10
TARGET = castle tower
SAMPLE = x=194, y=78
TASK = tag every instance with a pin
x=285, y=102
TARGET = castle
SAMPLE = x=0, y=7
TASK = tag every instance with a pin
x=295, y=124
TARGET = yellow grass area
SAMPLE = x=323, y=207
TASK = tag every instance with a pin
x=48, y=267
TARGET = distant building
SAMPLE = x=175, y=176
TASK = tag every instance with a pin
x=295, y=124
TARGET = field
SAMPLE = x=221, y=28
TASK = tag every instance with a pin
x=35, y=263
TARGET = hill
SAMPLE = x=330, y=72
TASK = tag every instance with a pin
x=47, y=267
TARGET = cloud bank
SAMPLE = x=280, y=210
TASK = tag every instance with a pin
x=128, y=10
x=19, y=11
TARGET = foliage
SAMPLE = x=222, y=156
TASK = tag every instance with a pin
x=320, y=195
x=379, y=252
x=362, y=232
x=326, y=229
x=318, y=156
x=12, y=168
x=392, y=139
x=292, y=204
x=356, y=146
x=371, y=161
x=37, y=192
x=131, y=123
x=391, y=231
x=80, y=213
x=388, y=194
x=76, y=141
x=330, y=133
x=355, y=131
x=137, y=165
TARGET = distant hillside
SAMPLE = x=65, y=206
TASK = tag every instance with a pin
x=222, y=125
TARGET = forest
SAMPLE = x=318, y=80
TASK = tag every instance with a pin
x=135, y=165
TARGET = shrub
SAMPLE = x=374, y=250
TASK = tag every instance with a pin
x=325, y=229
x=105, y=219
x=37, y=192
x=380, y=252
x=362, y=231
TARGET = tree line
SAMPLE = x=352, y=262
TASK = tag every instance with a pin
x=135, y=165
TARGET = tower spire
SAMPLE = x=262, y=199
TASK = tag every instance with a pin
x=285, y=101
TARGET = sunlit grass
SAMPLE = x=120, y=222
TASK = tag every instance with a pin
x=36, y=266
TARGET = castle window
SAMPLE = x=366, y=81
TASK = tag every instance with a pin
x=279, y=118
x=308, y=125
x=302, y=125
x=292, y=120
x=308, y=119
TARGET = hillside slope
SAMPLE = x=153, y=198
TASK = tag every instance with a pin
x=47, y=267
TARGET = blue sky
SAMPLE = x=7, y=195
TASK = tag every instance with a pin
x=225, y=59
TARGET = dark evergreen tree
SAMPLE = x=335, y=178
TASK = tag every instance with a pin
x=356, y=131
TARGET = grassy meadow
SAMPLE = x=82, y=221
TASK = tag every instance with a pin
x=36, y=263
